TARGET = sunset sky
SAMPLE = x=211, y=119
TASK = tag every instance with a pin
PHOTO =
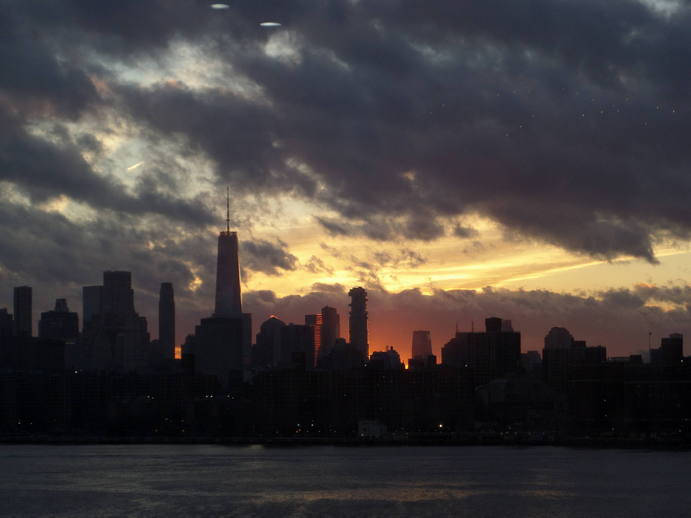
x=458, y=159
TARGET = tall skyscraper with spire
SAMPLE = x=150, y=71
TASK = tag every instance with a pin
x=228, y=302
x=221, y=344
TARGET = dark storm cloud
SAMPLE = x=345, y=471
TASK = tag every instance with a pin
x=679, y=295
x=623, y=298
x=421, y=227
x=33, y=73
x=237, y=133
x=564, y=121
x=464, y=232
x=47, y=247
x=46, y=170
x=334, y=228
x=379, y=229
x=266, y=257
x=424, y=227
x=45, y=79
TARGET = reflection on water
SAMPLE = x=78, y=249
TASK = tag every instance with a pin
x=329, y=481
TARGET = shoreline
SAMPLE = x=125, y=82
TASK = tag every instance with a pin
x=571, y=442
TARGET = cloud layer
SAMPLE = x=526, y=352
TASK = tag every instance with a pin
x=564, y=121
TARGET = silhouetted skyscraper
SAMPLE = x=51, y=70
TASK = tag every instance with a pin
x=166, y=320
x=92, y=297
x=385, y=360
x=558, y=338
x=23, y=311
x=422, y=345
x=297, y=346
x=6, y=334
x=331, y=329
x=562, y=354
x=117, y=337
x=358, y=320
x=228, y=301
x=59, y=324
x=491, y=354
x=315, y=323
x=222, y=344
x=670, y=352
x=6, y=324
x=493, y=325
x=117, y=296
x=267, y=349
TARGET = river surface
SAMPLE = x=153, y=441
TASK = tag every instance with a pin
x=191, y=480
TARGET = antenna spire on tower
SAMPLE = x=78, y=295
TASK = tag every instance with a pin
x=227, y=208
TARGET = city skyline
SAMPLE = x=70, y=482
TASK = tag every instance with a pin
x=534, y=170
x=228, y=301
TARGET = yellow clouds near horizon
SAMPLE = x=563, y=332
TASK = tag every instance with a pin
x=487, y=259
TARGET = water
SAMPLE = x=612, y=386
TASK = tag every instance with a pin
x=184, y=480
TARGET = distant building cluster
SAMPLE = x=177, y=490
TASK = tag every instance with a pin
x=304, y=379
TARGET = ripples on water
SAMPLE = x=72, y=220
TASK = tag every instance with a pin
x=184, y=480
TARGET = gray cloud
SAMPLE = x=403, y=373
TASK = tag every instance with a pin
x=35, y=77
x=266, y=257
x=521, y=117
x=464, y=232
x=404, y=257
x=317, y=265
x=564, y=121
x=45, y=170
x=623, y=298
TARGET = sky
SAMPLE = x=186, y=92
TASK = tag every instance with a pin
x=458, y=159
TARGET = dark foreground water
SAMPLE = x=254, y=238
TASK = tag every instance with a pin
x=488, y=482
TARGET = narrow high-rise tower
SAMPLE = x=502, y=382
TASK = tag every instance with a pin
x=330, y=329
x=166, y=320
x=358, y=320
x=228, y=301
x=221, y=345
x=92, y=299
x=23, y=311
x=315, y=324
